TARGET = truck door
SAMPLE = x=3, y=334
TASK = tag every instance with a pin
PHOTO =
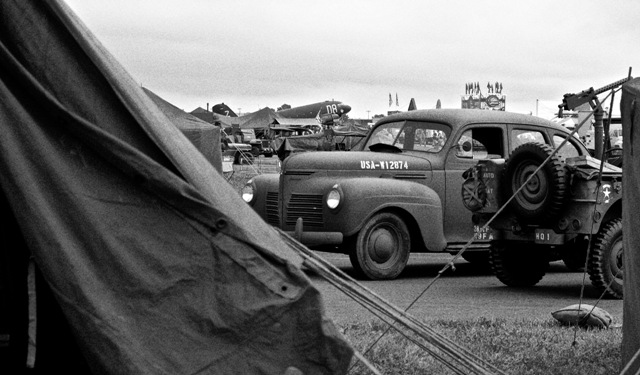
x=473, y=143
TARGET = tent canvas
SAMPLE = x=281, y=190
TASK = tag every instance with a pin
x=152, y=259
x=203, y=135
x=630, y=110
x=259, y=119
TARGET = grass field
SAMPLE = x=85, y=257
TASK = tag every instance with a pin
x=520, y=347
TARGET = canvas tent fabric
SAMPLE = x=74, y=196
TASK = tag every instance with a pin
x=259, y=119
x=153, y=260
x=351, y=134
x=203, y=135
x=630, y=111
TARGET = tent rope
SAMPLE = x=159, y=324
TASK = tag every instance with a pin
x=426, y=338
x=632, y=361
x=589, y=249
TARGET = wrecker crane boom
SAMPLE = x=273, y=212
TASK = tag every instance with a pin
x=572, y=101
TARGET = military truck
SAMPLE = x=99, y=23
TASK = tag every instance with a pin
x=543, y=206
x=401, y=193
x=235, y=152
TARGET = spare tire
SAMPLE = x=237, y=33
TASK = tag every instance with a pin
x=543, y=196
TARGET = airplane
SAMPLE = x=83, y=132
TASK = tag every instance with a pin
x=325, y=112
x=224, y=110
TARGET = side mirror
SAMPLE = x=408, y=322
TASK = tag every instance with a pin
x=466, y=146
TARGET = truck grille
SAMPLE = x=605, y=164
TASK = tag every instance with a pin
x=273, y=217
x=306, y=206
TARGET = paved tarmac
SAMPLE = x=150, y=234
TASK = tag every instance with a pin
x=469, y=292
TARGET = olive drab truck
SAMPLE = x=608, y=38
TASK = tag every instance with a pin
x=543, y=207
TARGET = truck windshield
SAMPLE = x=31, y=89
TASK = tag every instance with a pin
x=410, y=136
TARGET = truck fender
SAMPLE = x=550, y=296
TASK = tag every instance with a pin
x=262, y=185
x=363, y=197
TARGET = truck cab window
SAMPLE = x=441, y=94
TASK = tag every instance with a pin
x=569, y=150
x=480, y=143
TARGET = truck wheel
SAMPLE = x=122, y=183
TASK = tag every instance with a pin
x=605, y=263
x=518, y=266
x=543, y=196
x=381, y=249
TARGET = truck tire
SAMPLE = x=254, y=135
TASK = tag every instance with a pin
x=524, y=265
x=605, y=263
x=380, y=250
x=544, y=195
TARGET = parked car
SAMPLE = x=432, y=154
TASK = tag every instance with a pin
x=401, y=194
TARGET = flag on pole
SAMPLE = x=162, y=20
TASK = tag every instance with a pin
x=390, y=100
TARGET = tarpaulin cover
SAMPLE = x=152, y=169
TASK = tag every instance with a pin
x=352, y=129
x=157, y=264
x=203, y=135
x=350, y=135
x=286, y=146
x=630, y=110
x=259, y=119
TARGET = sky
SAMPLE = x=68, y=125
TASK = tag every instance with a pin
x=255, y=54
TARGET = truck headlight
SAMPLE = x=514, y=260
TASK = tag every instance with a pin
x=248, y=191
x=334, y=197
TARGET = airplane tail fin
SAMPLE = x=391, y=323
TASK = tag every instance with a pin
x=224, y=110
x=412, y=105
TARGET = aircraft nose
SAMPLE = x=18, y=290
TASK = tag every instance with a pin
x=344, y=109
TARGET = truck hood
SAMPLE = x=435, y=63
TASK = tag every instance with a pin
x=383, y=162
